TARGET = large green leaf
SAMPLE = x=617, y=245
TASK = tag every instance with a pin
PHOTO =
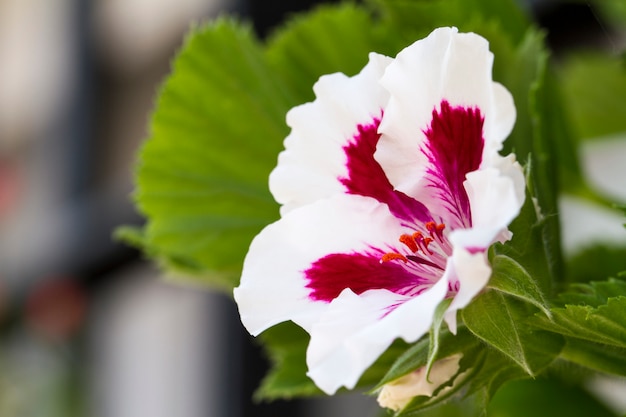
x=531, y=137
x=593, y=320
x=596, y=356
x=593, y=294
x=499, y=320
x=327, y=40
x=603, y=324
x=215, y=134
x=415, y=18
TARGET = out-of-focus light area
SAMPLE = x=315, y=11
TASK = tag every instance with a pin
x=88, y=328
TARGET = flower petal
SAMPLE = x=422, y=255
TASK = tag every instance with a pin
x=355, y=330
x=469, y=274
x=314, y=158
x=454, y=144
x=275, y=286
x=445, y=66
x=496, y=196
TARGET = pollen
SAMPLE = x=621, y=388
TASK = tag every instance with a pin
x=392, y=256
x=409, y=241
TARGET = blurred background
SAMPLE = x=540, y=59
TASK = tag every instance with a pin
x=87, y=327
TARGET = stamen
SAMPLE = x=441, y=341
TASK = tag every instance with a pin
x=422, y=242
x=435, y=229
x=425, y=244
x=409, y=241
x=392, y=256
x=417, y=242
x=423, y=261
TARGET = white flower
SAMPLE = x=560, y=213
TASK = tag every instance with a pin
x=397, y=394
x=392, y=190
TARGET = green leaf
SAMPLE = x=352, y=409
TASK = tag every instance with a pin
x=613, y=11
x=595, y=263
x=469, y=365
x=417, y=355
x=603, y=324
x=202, y=176
x=526, y=249
x=286, y=346
x=377, y=371
x=541, y=133
x=593, y=294
x=594, y=87
x=511, y=278
x=545, y=398
x=131, y=235
x=499, y=321
x=329, y=39
x=496, y=370
x=542, y=140
x=416, y=18
x=596, y=356
x=435, y=334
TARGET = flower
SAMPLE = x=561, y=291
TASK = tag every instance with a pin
x=397, y=394
x=392, y=190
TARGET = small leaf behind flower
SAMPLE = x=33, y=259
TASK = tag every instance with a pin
x=418, y=354
x=511, y=278
x=434, y=335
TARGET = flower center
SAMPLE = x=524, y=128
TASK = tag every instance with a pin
x=432, y=249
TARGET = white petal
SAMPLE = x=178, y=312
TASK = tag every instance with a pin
x=313, y=160
x=472, y=271
x=496, y=195
x=353, y=332
x=272, y=288
x=446, y=65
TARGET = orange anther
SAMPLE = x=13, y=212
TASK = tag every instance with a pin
x=409, y=241
x=392, y=256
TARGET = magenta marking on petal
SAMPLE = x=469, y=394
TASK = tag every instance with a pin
x=454, y=147
x=330, y=275
x=367, y=178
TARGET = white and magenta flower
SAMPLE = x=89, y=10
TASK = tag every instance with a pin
x=392, y=190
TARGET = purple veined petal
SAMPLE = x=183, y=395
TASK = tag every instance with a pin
x=314, y=159
x=366, y=177
x=277, y=281
x=453, y=147
x=353, y=332
x=360, y=272
x=444, y=67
